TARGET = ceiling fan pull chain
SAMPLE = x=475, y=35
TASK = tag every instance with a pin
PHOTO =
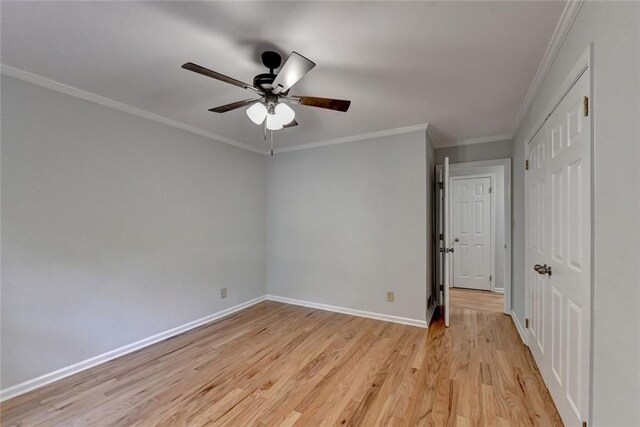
x=271, y=143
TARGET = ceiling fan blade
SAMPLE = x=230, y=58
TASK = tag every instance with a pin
x=233, y=105
x=328, y=103
x=291, y=72
x=291, y=124
x=215, y=75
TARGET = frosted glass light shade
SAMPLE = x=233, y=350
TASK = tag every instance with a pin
x=273, y=122
x=257, y=113
x=284, y=113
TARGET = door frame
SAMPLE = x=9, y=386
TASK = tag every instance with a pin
x=502, y=169
x=583, y=65
x=492, y=222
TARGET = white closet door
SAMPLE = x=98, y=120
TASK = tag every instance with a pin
x=559, y=237
x=570, y=254
x=471, y=227
x=537, y=246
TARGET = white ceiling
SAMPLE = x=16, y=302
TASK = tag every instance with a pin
x=463, y=67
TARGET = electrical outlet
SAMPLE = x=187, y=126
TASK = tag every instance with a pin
x=223, y=293
x=390, y=296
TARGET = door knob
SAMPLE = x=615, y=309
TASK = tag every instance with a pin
x=542, y=269
x=456, y=240
x=546, y=269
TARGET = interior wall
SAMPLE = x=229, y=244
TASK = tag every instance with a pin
x=116, y=228
x=614, y=30
x=346, y=223
x=475, y=152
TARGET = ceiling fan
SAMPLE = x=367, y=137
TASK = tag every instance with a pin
x=272, y=91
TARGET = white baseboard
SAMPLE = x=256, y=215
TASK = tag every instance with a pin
x=519, y=328
x=351, y=311
x=45, y=379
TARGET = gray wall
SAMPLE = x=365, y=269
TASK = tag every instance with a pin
x=347, y=222
x=475, y=152
x=116, y=228
x=614, y=29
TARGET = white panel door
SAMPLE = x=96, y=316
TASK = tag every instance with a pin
x=447, y=240
x=559, y=238
x=471, y=231
x=536, y=249
x=570, y=254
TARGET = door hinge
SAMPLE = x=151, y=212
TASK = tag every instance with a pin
x=526, y=165
x=490, y=278
x=441, y=185
x=526, y=323
x=490, y=190
x=585, y=105
x=441, y=236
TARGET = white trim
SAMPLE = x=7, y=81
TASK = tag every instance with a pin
x=354, y=138
x=481, y=140
x=519, y=328
x=559, y=35
x=580, y=67
x=88, y=96
x=107, y=102
x=45, y=379
x=351, y=311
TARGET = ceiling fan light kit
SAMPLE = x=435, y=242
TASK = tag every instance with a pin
x=257, y=113
x=270, y=108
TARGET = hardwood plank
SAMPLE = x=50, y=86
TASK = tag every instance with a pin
x=276, y=364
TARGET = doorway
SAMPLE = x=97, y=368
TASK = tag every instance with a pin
x=472, y=221
x=478, y=220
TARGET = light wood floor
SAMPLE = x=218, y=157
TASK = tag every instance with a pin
x=277, y=364
x=476, y=300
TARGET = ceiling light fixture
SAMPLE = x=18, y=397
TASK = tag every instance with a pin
x=273, y=122
x=285, y=113
x=257, y=113
x=277, y=116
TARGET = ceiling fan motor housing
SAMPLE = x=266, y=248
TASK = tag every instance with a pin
x=264, y=81
x=271, y=60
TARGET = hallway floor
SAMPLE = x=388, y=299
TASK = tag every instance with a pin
x=476, y=300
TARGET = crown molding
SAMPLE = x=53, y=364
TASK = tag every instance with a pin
x=354, y=138
x=107, y=102
x=481, y=140
x=559, y=35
